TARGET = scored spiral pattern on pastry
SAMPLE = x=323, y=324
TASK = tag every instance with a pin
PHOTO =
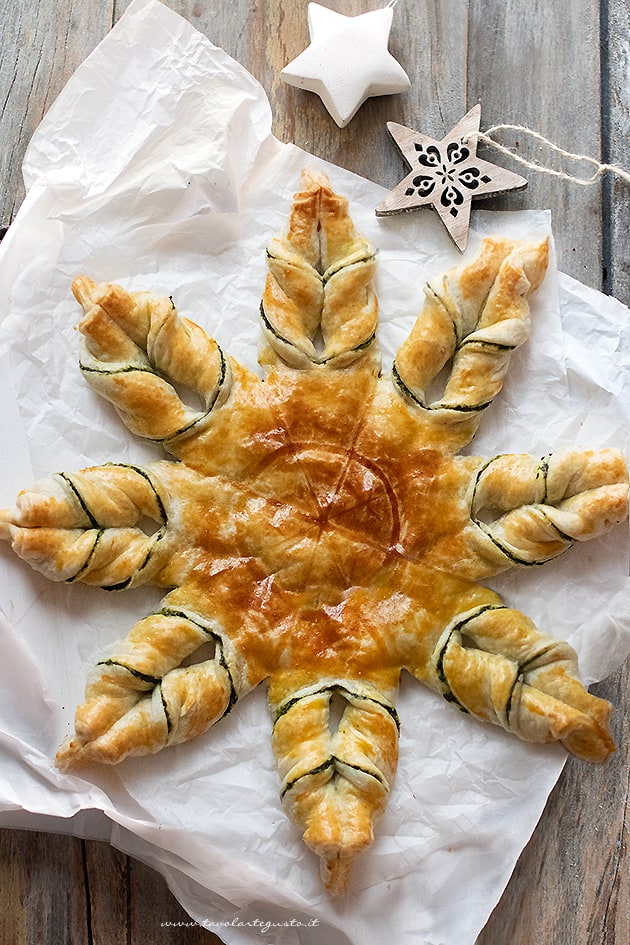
x=317, y=529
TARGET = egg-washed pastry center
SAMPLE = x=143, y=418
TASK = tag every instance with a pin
x=341, y=497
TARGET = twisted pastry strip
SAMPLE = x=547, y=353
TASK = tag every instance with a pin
x=129, y=341
x=140, y=699
x=493, y=663
x=319, y=281
x=476, y=315
x=548, y=504
x=335, y=784
x=83, y=526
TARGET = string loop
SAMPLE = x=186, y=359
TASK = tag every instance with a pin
x=600, y=168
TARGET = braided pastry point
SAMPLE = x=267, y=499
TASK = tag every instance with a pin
x=474, y=316
x=492, y=663
x=540, y=507
x=137, y=348
x=315, y=529
x=90, y=526
x=336, y=779
x=319, y=306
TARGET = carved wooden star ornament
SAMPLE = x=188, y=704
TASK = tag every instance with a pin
x=445, y=175
x=347, y=60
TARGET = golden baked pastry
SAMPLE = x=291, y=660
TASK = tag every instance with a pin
x=317, y=529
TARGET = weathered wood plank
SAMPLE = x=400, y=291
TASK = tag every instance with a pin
x=41, y=46
x=42, y=877
x=13, y=920
x=538, y=66
x=107, y=884
x=616, y=101
x=155, y=915
x=129, y=903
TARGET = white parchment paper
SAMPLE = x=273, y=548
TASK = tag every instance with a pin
x=156, y=168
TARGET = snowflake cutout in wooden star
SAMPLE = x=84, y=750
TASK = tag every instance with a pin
x=446, y=175
x=315, y=529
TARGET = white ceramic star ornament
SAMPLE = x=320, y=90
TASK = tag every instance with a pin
x=347, y=60
x=446, y=175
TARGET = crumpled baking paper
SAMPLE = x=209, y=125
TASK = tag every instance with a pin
x=156, y=168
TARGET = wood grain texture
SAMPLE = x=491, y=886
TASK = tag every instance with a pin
x=541, y=69
x=616, y=144
x=41, y=46
x=43, y=889
x=538, y=64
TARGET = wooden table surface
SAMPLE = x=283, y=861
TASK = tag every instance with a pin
x=560, y=68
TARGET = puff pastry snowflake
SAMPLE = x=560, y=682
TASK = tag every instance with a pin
x=317, y=528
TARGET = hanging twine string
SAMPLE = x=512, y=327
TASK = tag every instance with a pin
x=600, y=169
